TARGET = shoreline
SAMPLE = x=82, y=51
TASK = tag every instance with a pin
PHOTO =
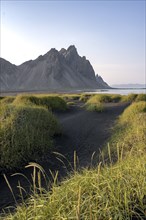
x=14, y=93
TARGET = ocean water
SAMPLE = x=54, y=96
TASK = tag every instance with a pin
x=120, y=91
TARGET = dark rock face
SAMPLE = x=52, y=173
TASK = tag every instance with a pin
x=56, y=70
x=101, y=83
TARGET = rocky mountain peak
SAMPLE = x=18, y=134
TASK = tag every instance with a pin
x=62, y=51
x=52, y=55
x=72, y=49
x=56, y=70
x=52, y=52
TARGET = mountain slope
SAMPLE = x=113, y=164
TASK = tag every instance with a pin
x=8, y=75
x=101, y=83
x=56, y=70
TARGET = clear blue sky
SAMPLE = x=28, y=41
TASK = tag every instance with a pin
x=111, y=34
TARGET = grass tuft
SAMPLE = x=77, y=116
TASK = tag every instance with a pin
x=98, y=107
x=140, y=97
x=25, y=134
x=7, y=100
x=129, y=133
x=50, y=102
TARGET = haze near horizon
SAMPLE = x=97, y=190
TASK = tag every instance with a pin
x=111, y=34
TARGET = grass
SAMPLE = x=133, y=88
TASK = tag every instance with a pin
x=106, y=98
x=96, y=102
x=98, y=107
x=115, y=190
x=68, y=97
x=134, y=97
x=129, y=133
x=28, y=100
x=7, y=100
x=27, y=128
x=51, y=102
x=25, y=134
x=129, y=98
x=103, y=98
x=140, y=97
x=85, y=97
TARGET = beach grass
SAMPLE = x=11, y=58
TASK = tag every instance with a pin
x=114, y=189
x=51, y=102
x=26, y=134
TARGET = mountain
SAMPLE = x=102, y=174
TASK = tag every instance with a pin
x=101, y=83
x=55, y=70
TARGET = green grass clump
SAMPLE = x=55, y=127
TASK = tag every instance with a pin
x=134, y=97
x=51, y=102
x=95, y=103
x=129, y=98
x=98, y=107
x=85, y=97
x=7, y=100
x=25, y=134
x=133, y=111
x=69, y=97
x=129, y=133
x=140, y=97
x=116, y=98
x=103, y=98
x=28, y=100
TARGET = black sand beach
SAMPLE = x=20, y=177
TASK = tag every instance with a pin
x=83, y=132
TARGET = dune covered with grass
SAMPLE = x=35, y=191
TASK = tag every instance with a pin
x=113, y=189
x=27, y=128
x=25, y=134
x=51, y=102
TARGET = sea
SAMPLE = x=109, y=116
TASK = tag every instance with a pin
x=122, y=91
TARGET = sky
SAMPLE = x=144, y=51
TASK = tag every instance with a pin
x=111, y=34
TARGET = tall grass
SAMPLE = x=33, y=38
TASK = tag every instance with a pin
x=7, y=100
x=98, y=107
x=129, y=133
x=51, y=102
x=70, y=97
x=85, y=97
x=129, y=98
x=134, y=97
x=140, y=97
x=107, y=192
x=26, y=100
x=110, y=191
x=96, y=102
x=25, y=134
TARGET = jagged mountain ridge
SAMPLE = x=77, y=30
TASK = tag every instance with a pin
x=56, y=70
x=101, y=82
